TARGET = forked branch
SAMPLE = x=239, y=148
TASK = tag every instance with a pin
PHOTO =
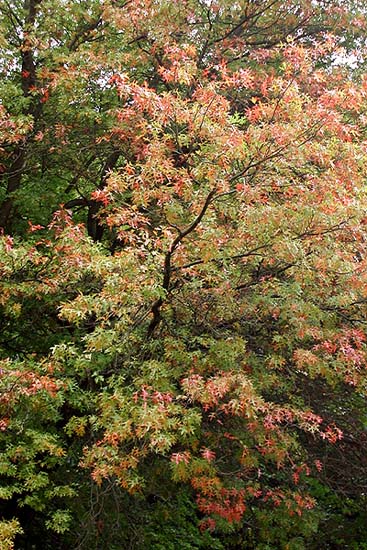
x=167, y=267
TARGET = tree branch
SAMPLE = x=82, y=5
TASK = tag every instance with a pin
x=167, y=268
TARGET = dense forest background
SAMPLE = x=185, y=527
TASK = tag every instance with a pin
x=183, y=349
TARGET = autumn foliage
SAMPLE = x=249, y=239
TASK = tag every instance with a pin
x=183, y=274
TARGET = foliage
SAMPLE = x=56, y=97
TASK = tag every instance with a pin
x=8, y=530
x=183, y=348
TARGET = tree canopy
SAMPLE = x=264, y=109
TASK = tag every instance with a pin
x=183, y=274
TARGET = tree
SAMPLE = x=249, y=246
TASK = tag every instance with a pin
x=202, y=333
